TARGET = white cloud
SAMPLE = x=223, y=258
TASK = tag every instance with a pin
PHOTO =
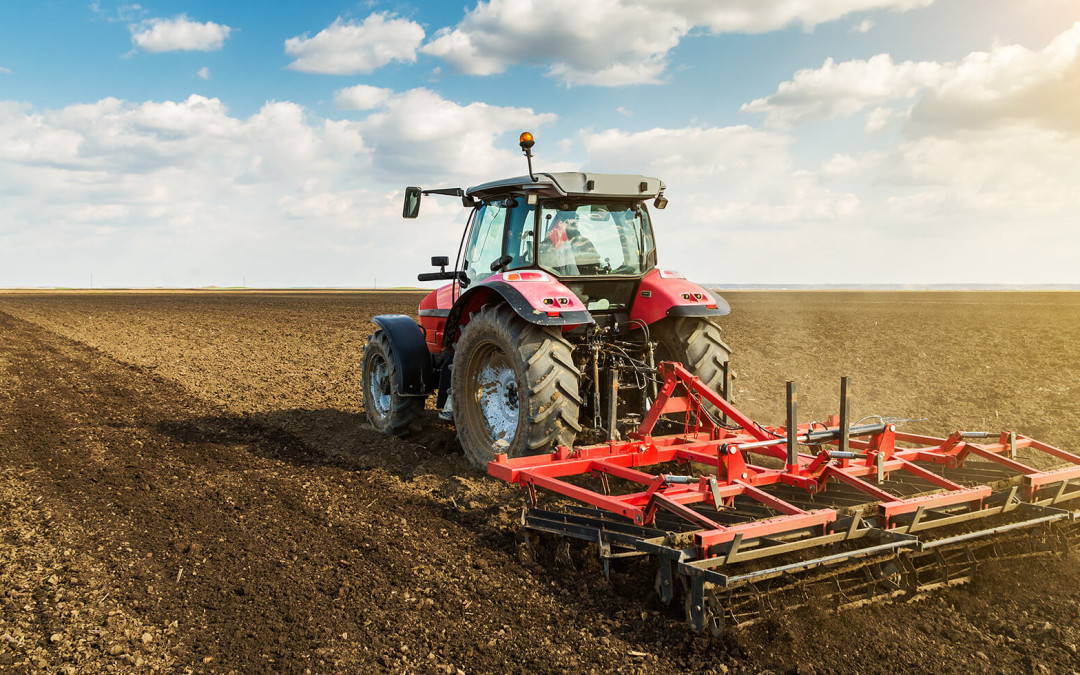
x=318, y=206
x=123, y=13
x=203, y=73
x=739, y=210
x=759, y=16
x=1017, y=173
x=843, y=89
x=863, y=26
x=178, y=34
x=878, y=118
x=185, y=193
x=5, y=71
x=839, y=165
x=361, y=97
x=739, y=176
x=1007, y=84
x=173, y=192
x=99, y=212
x=625, y=112
x=420, y=135
x=347, y=47
x=616, y=42
x=609, y=42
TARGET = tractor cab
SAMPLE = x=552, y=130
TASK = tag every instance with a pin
x=591, y=232
x=598, y=245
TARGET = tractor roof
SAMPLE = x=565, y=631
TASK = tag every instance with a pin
x=574, y=184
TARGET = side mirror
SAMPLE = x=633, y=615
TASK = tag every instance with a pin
x=412, y=203
x=441, y=261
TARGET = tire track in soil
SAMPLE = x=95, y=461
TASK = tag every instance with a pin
x=227, y=527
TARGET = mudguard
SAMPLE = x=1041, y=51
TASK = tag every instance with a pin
x=665, y=293
x=534, y=295
x=414, y=374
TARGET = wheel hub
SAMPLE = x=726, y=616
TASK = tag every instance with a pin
x=497, y=394
x=379, y=387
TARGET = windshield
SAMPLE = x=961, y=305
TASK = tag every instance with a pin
x=594, y=239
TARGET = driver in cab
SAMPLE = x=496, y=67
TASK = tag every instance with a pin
x=565, y=250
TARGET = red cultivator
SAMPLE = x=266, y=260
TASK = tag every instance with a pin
x=738, y=517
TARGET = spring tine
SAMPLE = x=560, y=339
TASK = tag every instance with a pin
x=845, y=413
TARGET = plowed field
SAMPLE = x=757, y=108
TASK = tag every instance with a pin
x=187, y=483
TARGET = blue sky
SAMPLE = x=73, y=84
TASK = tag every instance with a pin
x=840, y=141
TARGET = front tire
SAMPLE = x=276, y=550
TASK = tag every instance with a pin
x=387, y=410
x=513, y=381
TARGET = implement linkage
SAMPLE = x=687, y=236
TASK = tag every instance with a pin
x=629, y=379
x=743, y=523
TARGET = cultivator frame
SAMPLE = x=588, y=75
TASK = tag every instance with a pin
x=896, y=513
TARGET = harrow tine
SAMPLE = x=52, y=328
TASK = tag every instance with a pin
x=792, y=426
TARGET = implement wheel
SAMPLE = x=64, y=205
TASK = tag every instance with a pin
x=387, y=410
x=515, y=382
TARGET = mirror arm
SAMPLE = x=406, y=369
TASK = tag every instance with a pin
x=450, y=192
x=443, y=276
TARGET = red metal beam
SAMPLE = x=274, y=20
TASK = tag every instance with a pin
x=889, y=509
x=843, y=476
x=683, y=512
x=774, y=503
x=763, y=528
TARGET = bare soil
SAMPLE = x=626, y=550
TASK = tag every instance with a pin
x=187, y=483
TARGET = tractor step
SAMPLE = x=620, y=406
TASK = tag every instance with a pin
x=743, y=523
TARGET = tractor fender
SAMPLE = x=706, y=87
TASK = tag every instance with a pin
x=414, y=374
x=535, y=296
x=664, y=293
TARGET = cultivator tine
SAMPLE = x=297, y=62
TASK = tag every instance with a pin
x=792, y=426
x=665, y=584
x=605, y=554
x=895, y=509
x=845, y=414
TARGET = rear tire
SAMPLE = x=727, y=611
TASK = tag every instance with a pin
x=513, y=381
x=696, y=343
x=387, y=410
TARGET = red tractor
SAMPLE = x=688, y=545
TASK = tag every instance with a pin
x=554, y=318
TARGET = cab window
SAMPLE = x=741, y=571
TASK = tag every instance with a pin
x=592, y=239
x=485, y=243
x=519, y=235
